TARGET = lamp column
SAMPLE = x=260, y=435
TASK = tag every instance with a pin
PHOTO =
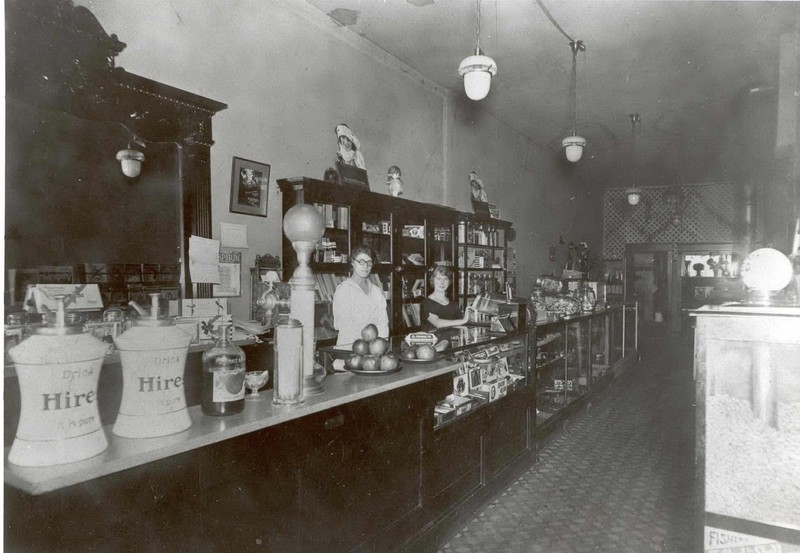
x=304, y=226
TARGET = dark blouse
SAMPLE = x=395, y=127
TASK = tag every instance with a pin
x=429, y=306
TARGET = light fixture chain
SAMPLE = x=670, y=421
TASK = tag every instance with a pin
x=478, y=27
x=574, y=88
x=553, y=21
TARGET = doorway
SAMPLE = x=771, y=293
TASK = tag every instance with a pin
x=648, y=281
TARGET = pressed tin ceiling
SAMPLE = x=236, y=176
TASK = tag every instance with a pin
x=685, y=66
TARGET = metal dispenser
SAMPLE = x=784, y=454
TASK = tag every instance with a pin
x=153, y=354
x=58, y=368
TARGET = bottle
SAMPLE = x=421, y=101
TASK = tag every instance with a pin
x=223, y=377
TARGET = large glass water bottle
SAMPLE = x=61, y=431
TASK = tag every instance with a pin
x=223, y=376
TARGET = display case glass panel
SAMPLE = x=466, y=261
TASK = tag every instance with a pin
x=551, y=370
x=576, y=382
x=600, y=346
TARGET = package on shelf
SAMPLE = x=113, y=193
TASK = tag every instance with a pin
x=461, y=385
x=460, y=403
x=413, y=231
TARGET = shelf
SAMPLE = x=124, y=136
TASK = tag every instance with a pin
x=471, y=245
x=551, y=362
x=323, y=267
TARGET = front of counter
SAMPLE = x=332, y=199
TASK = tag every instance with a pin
x=369, y=464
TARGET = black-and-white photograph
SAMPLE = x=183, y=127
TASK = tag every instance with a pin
x=565, y=317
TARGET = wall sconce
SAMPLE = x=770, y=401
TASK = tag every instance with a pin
x=634, y=195
x=131, y=159
x=477, y=70
x=304, y=226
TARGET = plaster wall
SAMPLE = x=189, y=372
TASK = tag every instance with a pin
x=289, y=74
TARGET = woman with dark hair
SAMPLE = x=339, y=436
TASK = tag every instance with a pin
x=358, y=301
x=437, y=309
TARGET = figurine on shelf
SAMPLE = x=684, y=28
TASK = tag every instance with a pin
x=349, y=152
x=698, y=267
x=394, y=182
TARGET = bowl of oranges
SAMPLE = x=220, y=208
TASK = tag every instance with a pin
x=370, y=355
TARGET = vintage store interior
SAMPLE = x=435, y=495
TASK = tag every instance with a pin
x=608, y=191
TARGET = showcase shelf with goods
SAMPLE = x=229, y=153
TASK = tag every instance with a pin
x=482, y=256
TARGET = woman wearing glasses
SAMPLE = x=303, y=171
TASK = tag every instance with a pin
x=358, y=301
x=437, y=309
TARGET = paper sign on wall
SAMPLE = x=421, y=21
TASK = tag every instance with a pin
x=204, y=260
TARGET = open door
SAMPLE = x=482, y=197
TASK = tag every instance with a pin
x=649, y=281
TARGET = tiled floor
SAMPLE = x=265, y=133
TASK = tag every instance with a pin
x=619, y=479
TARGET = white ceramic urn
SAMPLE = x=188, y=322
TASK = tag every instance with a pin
x=58, y=369
x=153, y=354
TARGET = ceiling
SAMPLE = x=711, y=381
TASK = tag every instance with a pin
x=680, y=64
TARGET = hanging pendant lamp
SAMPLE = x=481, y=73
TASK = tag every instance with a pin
x=477, y=70
x=574, y=144
x=633, y=193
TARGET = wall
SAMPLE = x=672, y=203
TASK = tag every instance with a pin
x=289, y=75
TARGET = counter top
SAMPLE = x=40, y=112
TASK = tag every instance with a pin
x=126, y=453
x=747, y=309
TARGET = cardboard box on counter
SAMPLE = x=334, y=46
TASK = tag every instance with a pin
x=459, y=403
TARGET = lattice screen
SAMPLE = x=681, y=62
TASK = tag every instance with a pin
x=689, y=213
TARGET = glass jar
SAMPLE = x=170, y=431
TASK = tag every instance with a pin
x=586, y=296
x=223, y=376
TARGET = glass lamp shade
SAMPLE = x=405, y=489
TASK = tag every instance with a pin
x=131, y=161
x=634, y=195
x=303, y=223
x=574, y=147
x=477, y=71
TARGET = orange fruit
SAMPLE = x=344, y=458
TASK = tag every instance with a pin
x=378, y=346
x=353, y=362
x=369, y=363
x=369, y=333
x=389, y=362
x=361, y=347
x=425, y=352
x=408, y=354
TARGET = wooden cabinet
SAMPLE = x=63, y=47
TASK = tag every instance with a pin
x=70, y=110
x=482, y=256
x=409, y=238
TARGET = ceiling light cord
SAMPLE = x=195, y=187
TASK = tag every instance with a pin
x=554, y=22
x=478, y=28
x=575, y=45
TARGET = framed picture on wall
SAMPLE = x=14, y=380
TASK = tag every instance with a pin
x=249, y=187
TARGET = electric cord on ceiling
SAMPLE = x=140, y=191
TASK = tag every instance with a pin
x=554, y=22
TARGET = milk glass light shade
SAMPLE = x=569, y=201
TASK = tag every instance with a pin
x=303, y=223
x=131, y=161
x=477, y=71
x=574, y=147
x=634, y=195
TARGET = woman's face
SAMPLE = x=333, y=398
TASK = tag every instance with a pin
x=345, y=143
x=440, y=283
x=362, y=265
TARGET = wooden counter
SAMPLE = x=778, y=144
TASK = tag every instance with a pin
x=125, y=453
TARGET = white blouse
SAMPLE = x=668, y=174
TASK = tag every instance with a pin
x=353, y=310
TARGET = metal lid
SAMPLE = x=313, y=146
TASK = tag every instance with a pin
x=61, y=326
x=152, y=318
x=288, y=323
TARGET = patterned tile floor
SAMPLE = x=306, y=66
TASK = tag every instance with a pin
x=619, y=479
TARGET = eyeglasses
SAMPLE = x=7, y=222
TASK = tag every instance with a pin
x=364, y=262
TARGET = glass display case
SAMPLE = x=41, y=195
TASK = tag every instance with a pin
x=577, y=354
x=747, y=375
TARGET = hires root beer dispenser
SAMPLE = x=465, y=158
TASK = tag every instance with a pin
x=58, y=368
x=153, y=355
